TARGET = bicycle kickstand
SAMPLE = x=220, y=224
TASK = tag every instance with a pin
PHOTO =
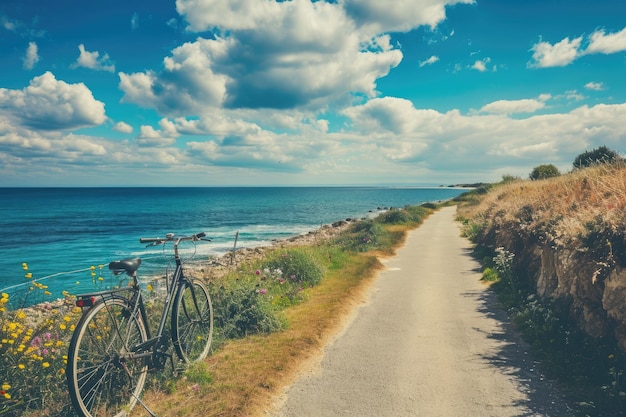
x=144, y=406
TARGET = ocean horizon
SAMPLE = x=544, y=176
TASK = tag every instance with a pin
x=61, y=232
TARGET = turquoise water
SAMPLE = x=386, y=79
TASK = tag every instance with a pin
x=60, y=230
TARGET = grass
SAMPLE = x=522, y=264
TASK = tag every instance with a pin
x=271, y=317
x=582, y=215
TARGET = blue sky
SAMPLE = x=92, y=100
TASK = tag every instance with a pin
x=344, y=92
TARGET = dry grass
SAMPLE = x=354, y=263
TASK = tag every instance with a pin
x=564, y=207
x=249, y=373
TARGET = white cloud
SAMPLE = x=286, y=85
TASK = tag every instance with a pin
x=31, y=57
x=280, y=55
x=430, y=61
x=92, y=60
x=123, y=127
x=50, y=104
x=516, y=106
x=403, y=16
x=558, y=55
x=594, y=86
x=148, y=136
x=565, y=52
x=447, y=141
x=600, y=42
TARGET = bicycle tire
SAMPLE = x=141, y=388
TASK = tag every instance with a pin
x=101, y=379
x=192, y=321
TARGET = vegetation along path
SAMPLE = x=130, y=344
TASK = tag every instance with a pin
x=430, y=342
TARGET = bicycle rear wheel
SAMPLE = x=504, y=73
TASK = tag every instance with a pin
x=103, y=379
x=192, y=321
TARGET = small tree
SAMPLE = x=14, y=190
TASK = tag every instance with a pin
x=600, y=155
x=542, y=172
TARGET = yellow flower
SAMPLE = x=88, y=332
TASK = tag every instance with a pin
x=67, y=319
x=28, y=275
x=92, y=267
x=7, y=395
x=45, y=364
x=6, y=386
x=25, y=266
x=21, y=366
x=20, y=315
x=62, y=326
x=47, y=292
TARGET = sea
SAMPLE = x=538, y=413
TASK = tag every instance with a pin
x=64, y=238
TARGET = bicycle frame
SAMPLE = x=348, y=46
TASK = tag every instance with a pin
x=153, y=345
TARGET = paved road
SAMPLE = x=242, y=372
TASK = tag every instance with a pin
x=429, y=342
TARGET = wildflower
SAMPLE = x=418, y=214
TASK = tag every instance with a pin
x=150, y=288
x=25, y=266
x=7, y=395
x=6, y=386
x=28, y=275
x=257, y=272
x=45, y=364
x=195, y=387
x=21, y=366
x=263, y=291
x=62, y=326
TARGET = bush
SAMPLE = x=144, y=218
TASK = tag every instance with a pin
x=600, y=155
x=542, y=172
x=297, y=266
x=240, y=309
x=394, y=217
x=363, y=236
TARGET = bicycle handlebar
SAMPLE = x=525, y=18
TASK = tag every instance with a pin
x=171, y=237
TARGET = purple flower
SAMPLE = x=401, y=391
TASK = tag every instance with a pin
x=263, y=291
x=257, y=272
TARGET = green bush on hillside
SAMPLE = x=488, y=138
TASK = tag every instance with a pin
x=596, y=156
x=542, y=172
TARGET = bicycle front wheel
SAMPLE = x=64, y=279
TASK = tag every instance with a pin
x=103, y=377
x=192, y=321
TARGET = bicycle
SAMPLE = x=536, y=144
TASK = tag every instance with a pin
x=112, y=348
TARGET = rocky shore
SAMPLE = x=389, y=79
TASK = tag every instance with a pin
x=218, y=267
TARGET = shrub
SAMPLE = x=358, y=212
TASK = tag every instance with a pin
x=297, y=266
x=363, y=236
x=542, y=172
x=394, y=217
x=596, y=156
x=240, y=309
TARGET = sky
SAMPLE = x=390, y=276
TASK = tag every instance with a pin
x=301, y=92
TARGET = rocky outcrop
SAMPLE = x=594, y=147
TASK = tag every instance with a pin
x=587, y=273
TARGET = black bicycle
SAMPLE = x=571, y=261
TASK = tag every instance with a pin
x=112, y=348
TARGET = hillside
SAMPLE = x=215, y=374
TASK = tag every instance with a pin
x=567, y=240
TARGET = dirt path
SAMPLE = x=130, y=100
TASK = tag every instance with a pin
x=429, y=342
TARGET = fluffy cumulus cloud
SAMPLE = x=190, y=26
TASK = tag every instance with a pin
x=51, y=104
x=449, y=140
x=567, y=51
x=93, y=60
x=281, y=55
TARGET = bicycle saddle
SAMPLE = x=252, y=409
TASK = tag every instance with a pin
x=130, y=266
